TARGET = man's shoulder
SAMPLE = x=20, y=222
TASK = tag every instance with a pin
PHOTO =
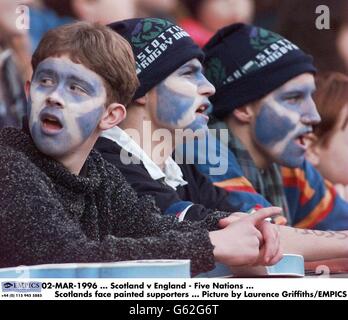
x=17, y=168
x=105, y=145
x=126, y=164
x=306, y=172
x=13, y=156
x=112, y=174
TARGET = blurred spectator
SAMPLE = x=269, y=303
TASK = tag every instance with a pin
x=14, y=65
x=102, y=11
x=329, y=149
x=156, y=8
x=297, y=22
x=208, y=16
x=266, y=13
x=58, y=12
x=43, y=19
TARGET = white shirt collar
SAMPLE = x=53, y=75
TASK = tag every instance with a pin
x=172, y=173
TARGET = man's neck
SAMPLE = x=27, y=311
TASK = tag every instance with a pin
x=244, y=134
x=158, y=151
x=74, y=161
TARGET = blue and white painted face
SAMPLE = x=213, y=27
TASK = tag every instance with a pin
x=182, y=98
x=285, y=117
x=66, y=103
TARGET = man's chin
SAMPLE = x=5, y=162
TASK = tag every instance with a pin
x=291, y=162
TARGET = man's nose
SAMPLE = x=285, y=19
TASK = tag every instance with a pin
x=311, y=116
x=206, y=88
x=55, y=98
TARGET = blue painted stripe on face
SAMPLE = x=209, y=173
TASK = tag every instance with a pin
x=172, y=106
x=89, y=121
x=268, y=134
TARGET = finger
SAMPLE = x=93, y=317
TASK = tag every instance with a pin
x=271, y=241
x=230, y=219
x=259, y=236
x=223, y=223
x=277, y=257
x=261, y=258
x=280, y=220
x=263, y=214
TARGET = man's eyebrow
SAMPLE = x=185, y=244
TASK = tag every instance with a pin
x=299, y=88
x=193, y=65
x=46, y=71
x=86, y=84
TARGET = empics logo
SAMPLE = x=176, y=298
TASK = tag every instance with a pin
x=7, y=285
x=17, y=286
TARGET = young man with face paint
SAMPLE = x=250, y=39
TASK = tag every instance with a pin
x=264, y=86
x=61, y=202
x=171, y=95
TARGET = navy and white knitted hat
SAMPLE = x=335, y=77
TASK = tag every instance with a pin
x=159, y=46
x=245, y=63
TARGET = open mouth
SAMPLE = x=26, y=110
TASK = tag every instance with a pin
x=202, y=110
x=50, y=123
x=305, y=139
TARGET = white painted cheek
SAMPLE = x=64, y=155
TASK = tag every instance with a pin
x=190, y=115
x=279, y=147
x=181, y=85
x=76, y=110
x=70, y=113
x=284, y=112
x=37, y=103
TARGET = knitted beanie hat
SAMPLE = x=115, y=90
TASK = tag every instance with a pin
x=245, y=63
x=159, y=46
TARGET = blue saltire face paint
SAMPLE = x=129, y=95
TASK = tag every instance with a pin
x=182, y=98
x=284, y=118
x=66, y=103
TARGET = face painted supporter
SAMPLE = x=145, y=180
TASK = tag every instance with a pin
x=171, y=98
x=264, y=86
x=328, y=151
x=62, y=203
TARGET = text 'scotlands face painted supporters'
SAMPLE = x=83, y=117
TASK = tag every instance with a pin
x=264, y=86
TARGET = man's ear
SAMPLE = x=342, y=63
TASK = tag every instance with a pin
x=244, y=114
x=313, y=154
x=114, y=114
x=27, y=89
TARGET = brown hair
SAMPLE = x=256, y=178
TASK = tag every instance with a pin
x=99, y=49
x=331, y=97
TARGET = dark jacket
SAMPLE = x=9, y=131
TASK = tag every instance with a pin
x=199, y=195
x=48, y=215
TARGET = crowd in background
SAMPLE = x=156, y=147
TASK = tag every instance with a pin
x=294, y=19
